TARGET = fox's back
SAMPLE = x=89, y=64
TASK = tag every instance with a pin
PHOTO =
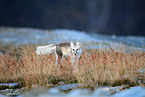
x=63, y=45
x=63, y=49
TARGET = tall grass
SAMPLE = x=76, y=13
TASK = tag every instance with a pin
x=95, y=67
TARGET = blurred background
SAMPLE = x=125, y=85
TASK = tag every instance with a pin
x=119, y=17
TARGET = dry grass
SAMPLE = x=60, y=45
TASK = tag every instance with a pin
x=96, y=67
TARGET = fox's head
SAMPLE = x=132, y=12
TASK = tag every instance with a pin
x=75, y=48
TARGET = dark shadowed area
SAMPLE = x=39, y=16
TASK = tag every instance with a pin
x=119, y=17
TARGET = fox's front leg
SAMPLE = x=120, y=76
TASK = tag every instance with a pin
x=72, y=61
x=78, y=58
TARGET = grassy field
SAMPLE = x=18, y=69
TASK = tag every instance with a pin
x=95, y=67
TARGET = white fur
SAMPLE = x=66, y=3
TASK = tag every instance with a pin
x=75, y=51
x=43, y=50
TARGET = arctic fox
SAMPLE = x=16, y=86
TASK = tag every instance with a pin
x=72, y=49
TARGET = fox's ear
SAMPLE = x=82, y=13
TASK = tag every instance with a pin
x=78, y=43
x=71, y=43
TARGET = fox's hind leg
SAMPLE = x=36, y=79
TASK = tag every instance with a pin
x=59, y=57
x=56, y=60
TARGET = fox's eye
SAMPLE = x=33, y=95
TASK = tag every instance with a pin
x=77, y=49
x=73, y=49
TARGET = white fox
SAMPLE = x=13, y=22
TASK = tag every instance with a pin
x=72, y=49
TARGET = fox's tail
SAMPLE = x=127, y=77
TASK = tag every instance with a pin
x=43, y=50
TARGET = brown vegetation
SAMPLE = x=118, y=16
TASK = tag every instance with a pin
x=95, y=67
